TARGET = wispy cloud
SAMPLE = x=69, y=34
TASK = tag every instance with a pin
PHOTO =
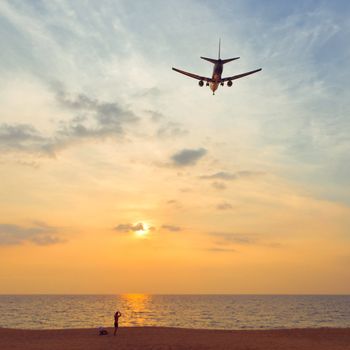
x=156, y=116
x=233, y=238
x=244, y=239
x=219, y=185
x=221, y=250
x=125, y=228
x=39, y=233
x=224, y=206
x=227, y=176
x=174, y=203
x=171, y=130
x=172, y=228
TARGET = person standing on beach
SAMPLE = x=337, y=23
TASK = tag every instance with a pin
x=116, y=319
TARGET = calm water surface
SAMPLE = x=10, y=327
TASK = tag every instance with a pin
x=190, y=311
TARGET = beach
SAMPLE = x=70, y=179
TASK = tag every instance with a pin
x=162, y=338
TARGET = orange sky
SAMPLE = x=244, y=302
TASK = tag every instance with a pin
x=119, y=176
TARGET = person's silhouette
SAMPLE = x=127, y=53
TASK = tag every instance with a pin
x=116, y=319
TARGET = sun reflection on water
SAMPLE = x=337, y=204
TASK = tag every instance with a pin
x=136, y=306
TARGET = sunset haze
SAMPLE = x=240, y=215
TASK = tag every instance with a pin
x=118, y=175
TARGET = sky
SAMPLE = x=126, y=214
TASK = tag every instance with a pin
x=119, y=175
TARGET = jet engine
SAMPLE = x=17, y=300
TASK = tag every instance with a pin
x=229, y=83
x=201, y=83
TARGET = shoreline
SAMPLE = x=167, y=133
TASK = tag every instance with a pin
x=167, y=338
x=179, y=328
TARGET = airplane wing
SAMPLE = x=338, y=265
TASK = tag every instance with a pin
x=191, y=75
x=240, y=75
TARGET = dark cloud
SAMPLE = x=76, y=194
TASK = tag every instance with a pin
x=39, y=233
x=91, y=119
x=95, y=119
x=130, y=227
x=223, y=175
x=224, y=206
x=24, y=138
x=172, y=228
x=188, y=156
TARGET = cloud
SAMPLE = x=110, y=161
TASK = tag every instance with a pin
x=24, y=138
x=96, y=119
x=227, y=239
x=39, y=233
x=155, y=115
x=92, y=119
x=224, y=206
x=125, y=228
x=174, y=203
x=153, y=92
x=222, y=250
x=188, y=156
x=130, y=227
x=171, y=130
x=226, y=176
x=219, y=185
x=172, y=228
x=185, y=189
x=233, y=238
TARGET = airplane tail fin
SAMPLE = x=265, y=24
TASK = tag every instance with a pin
x=212, y=60
x=229, y=60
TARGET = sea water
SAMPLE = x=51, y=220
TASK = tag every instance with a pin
x=188, y=311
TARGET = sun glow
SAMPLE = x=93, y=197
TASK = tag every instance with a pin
x=143, y=230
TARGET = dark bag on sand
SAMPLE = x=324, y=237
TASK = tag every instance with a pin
x=102, y=331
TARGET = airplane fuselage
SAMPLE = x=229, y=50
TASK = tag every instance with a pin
x=216, y=77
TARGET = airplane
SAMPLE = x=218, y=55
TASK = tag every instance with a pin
x=216, y=79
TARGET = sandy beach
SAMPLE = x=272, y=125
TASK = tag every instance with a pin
x=158, y=338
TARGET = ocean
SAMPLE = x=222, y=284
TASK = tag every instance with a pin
x=188, y=311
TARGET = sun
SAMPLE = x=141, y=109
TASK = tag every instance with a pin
x=142, y=229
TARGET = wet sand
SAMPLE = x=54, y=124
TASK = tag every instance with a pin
x=159, y=338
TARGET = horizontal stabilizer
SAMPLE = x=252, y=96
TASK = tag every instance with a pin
x=212, y=60
x=229, y=60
